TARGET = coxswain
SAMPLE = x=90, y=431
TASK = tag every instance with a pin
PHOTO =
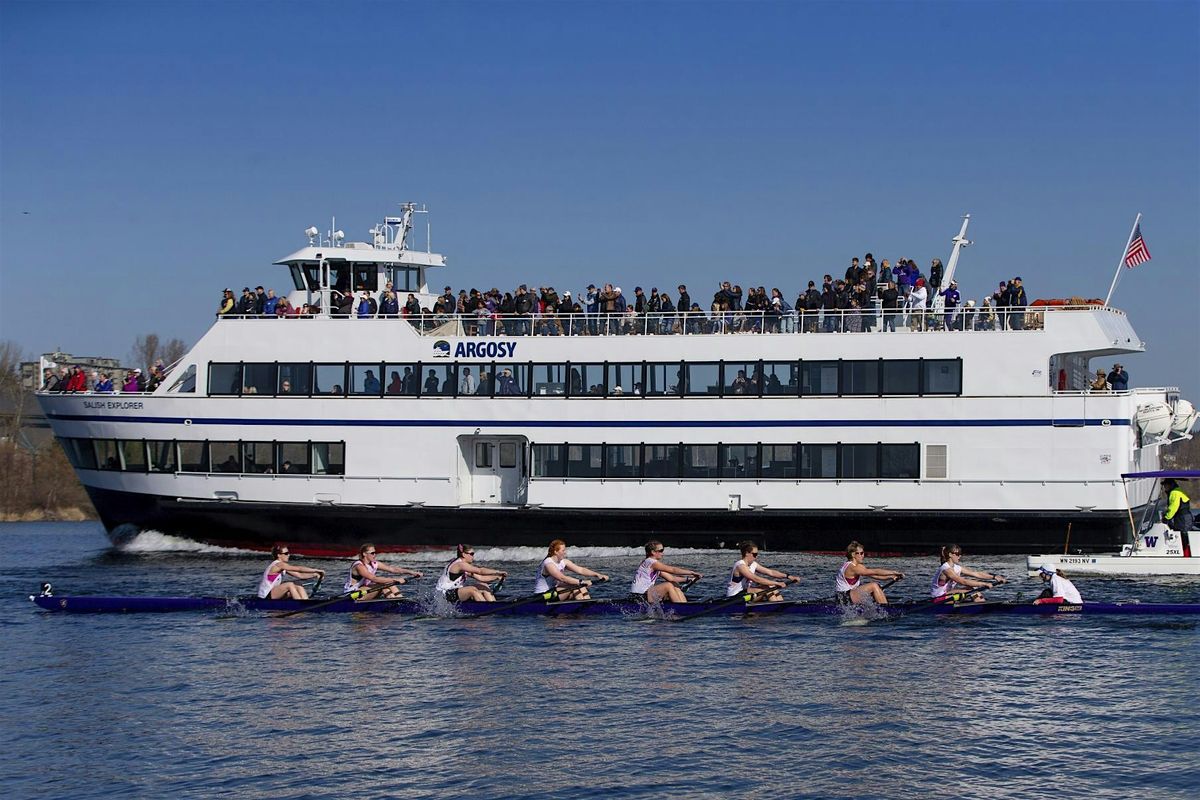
x=849, y=587
x=453, y=581
x=273, y=585
x=1178, y=515
x=364, y=575
x=645, y=581
x=552, y=575
x=1060, y=589
x=952, y=576
x=748, y=576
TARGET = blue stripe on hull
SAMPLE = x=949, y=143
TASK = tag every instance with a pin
x=587, y=423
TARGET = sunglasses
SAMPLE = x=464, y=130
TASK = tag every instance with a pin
x=285, y=552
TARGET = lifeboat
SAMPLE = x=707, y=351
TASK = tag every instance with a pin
x=1184, y=417
x=1155, y=420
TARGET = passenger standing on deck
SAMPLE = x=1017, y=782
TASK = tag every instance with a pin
x=453, y=581
x=1060, y=589
x=364, y=575
x=952, y=575
x=747, y=576
x=552, y=574
x=645, y=581
x=849, y=586
x=273, y=585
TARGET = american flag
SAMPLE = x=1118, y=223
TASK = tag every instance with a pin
x=1137, y=252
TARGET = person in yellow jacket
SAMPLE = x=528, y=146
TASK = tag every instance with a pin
x=1178, y=515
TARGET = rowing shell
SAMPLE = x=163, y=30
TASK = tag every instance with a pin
x=625, y=607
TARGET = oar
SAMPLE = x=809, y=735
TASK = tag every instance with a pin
x=740, y=597
x=683, y=587
x=549, y=596
x=353, y=595
x=317, y=585
x=953, y=597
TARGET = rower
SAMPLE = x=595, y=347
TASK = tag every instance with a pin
x=849, y=586
x=952, y=574
x=364, y=575
x=273, y=586
x=552, y=575
x=453, y=581
x=747, y=577
x=645, y=581
x=1060, y=589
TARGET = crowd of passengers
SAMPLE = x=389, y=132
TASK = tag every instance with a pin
x=866, y=298
x=77, y=379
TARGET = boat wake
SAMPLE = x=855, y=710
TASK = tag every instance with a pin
x=155, y=542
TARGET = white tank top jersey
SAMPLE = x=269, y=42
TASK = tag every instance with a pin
x=545, y=582
x=1061, y=587
x=445, y=584
x=268, y=581
x=940, y=587
x=841, y=583
x=645, y=577
x=738, y=585
x=353, y=582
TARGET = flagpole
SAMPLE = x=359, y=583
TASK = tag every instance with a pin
x=1121, y=261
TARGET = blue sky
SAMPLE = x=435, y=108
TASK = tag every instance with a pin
x=164, y=151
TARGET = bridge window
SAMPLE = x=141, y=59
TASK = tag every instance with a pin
x=365, y=380
x=106, y=454
x=781, y=378
x=818, y=461
x=779, y=461
x=329, y=379
x=665, y=379
x=622, y=460
x=585, y=460
x=902, y=377
x=739, y=461
x=295, y=379
x=860, y=461
x=259, y=379
x=702, y=378
x=860, y=377
x=401, y=380
x=441, y=380
x=584, y=380
x=900, y=461
x=626, y=379
x=662, y=461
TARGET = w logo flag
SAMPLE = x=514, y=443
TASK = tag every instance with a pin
x=1137, y=252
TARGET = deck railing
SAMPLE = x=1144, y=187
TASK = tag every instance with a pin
x=869, y=320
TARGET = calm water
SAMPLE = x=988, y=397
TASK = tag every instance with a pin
x=193, y=705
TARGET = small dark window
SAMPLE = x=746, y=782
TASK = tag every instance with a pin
x=860, y=377
x=701, y=461
x=294, y=379
x=860, y=461
x=585, y=460
x=133, y=455
x=548, y=461
x=943, y=376
x=294, y=458
x=224, y=379
x=818, y=461
x=902, y=377
x=901, y=461
x=483, y=454
x=329, y=379
x=508, y=455
x=779, y=461
x=739, y=461
x=818, y=377
x=662, y=461
x=162, y=455
x=329, y=458
x=225, y=456
x=259, y=379
x=259, y=457
x=193, y=457
x=106, y=454
x=622, y=461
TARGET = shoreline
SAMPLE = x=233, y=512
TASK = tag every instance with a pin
x=64, y=514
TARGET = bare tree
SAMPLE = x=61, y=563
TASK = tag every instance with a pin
x=172, y=351
x=145, y=350
x=12, y=391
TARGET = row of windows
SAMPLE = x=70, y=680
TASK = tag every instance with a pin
x=166, y=455
x=876, y=377
x=355, y=276
x=757, y=461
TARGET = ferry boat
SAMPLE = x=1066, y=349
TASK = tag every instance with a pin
x=324, y=431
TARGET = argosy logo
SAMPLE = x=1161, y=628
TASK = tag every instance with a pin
x=486, y=349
